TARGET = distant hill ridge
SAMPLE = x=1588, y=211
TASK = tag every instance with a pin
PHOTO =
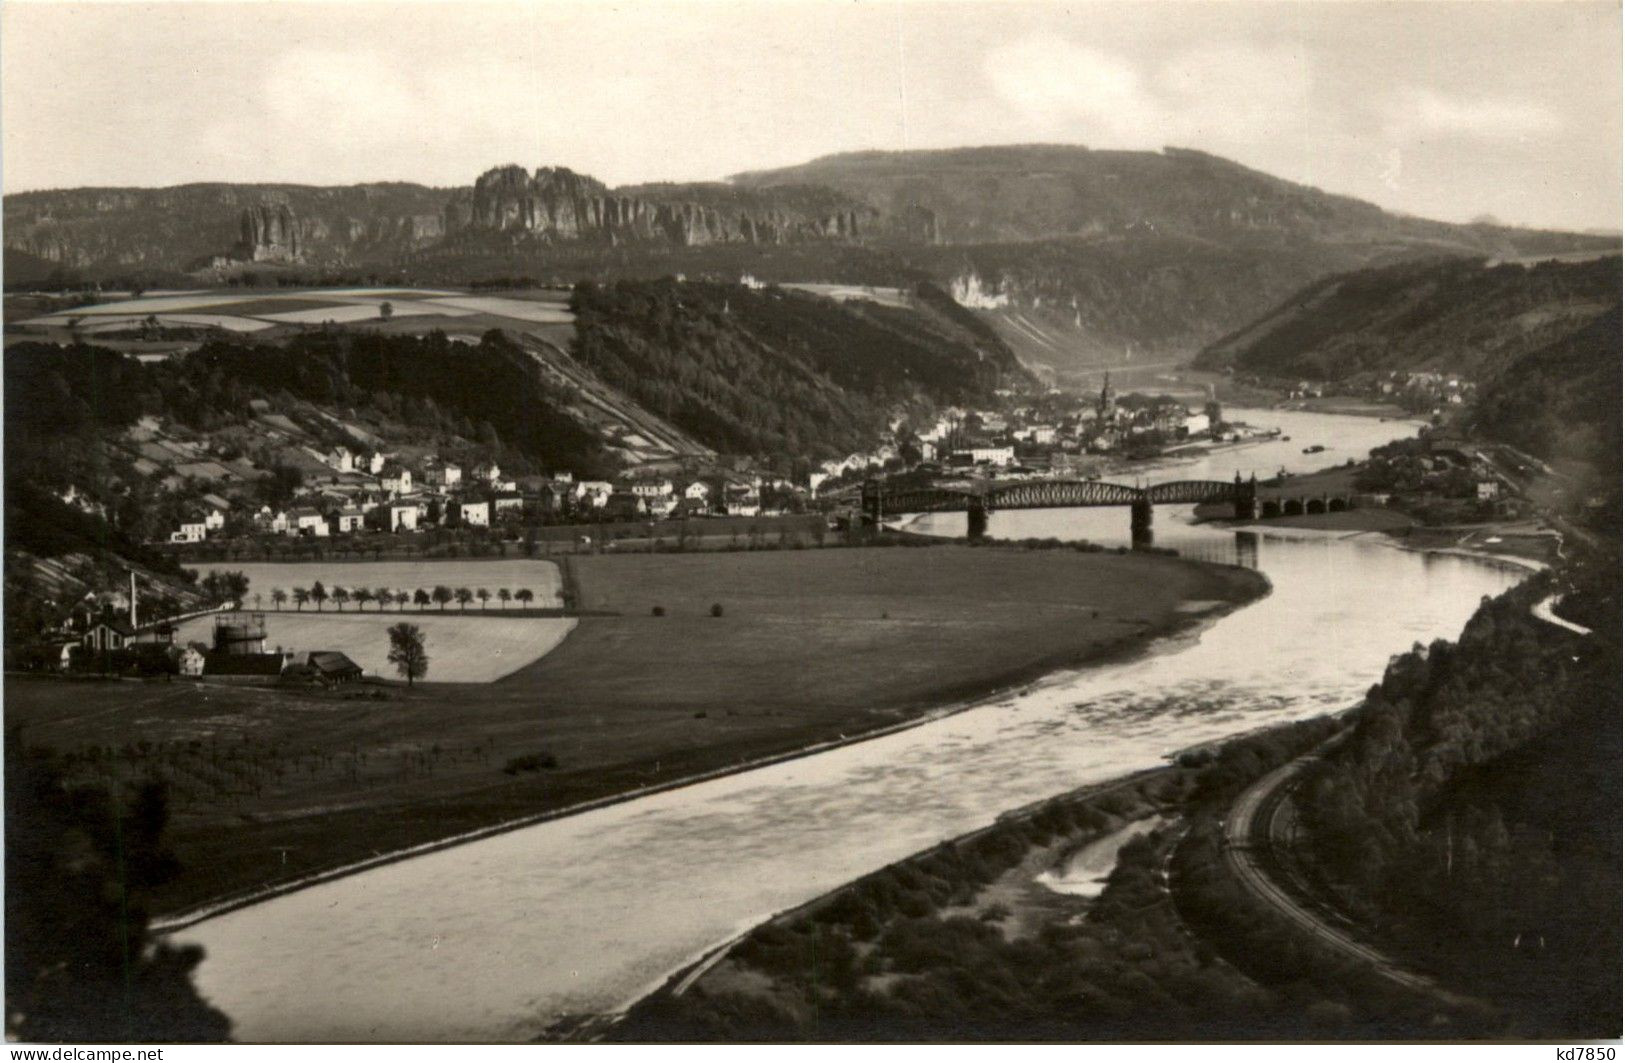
x=1154, y=251
x=1455, y=316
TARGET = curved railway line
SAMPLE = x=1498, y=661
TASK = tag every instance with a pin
x=1259, y=831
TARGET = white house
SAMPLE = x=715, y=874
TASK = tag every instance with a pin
x=341, y=459
x=593, y=492
x=698, y=491
x=396, y=481
x=507, y=504
x=477, y=514
x=1488, y=490
x=281, y=522
x=743, y=501
x=488, y=471
x=308, y=522
x=348, y=520
x=993, y=455
x=191, y=661
x=192, y=531
x=375, y=464
x=403, y=516
x=214, y=519
x=443, y=474
x=647, y=489
x=1197, y=423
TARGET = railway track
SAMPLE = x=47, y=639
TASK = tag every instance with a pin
x=1258, y=830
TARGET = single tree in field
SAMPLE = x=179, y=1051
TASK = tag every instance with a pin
x=505, y=596
x=420, y=598
x=362, y=596
x=442, y=594
x=406, y=651
x=484, y=596
x=318, y=594
x=340, y=596
x=464, y=596
x=385, y=597
x=525, y=595
x=257, y=599
x=300, y=597
x=279, y=598
x=386, y=310
x=401, y=598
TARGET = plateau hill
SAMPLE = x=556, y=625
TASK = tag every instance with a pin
x=1079, y=257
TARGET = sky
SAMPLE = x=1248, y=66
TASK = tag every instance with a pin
x=1453, y=111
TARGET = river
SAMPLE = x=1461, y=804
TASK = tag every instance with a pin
x=497, y=939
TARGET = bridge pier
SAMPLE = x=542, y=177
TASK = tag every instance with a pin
x=976, y=522
x=1247, y=508
x=1140, y=521
x=871, y=503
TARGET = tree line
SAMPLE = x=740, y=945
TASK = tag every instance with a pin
x=319, y=594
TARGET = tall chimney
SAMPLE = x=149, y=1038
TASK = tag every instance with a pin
x=132, y=599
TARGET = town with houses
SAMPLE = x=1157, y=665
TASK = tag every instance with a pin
x=348, y=489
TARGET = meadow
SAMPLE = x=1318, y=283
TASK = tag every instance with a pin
x=812, y=646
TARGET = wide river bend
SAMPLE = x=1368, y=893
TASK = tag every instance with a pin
x=497, y=939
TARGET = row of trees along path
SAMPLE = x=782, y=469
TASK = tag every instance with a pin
x=441, y=596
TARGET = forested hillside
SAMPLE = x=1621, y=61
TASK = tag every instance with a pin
x=773, y=371
x=481, y=394
x=1473, y=817
x=1453, y=316
x=1562, y=401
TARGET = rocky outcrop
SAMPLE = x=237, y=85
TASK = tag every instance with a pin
x=270, y=233
x=556, y=204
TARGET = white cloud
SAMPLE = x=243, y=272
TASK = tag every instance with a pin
x=1427, y=112
x=1232, y=91
x=1053, y=82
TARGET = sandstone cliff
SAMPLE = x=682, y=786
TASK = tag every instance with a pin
x=556, y=204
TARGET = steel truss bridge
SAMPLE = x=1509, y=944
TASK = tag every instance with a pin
x=880, y=502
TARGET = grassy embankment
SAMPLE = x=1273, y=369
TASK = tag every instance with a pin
x=268, y=784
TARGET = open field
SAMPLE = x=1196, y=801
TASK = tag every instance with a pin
x=531, y=310
x=462, y=649
x=269, y=784
x=248, y=312
x=858, y=631
x=842, y=292
x=541, y=577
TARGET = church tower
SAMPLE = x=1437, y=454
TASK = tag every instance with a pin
x=1107, y=409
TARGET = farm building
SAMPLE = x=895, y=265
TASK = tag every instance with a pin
x=243, y=667
x=332, y=667
x=107, y=635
